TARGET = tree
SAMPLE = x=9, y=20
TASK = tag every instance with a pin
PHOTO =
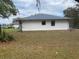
x=7, y=8
x=73, y=12
x=77, y=0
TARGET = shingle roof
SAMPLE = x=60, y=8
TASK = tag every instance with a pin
x=42, y=17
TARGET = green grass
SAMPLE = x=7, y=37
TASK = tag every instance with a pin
x=10, y=30
x=42, y=45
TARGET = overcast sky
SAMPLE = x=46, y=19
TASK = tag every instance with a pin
x=53, y=7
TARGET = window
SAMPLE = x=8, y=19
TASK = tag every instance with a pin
x=43, y=22
x=52, y=23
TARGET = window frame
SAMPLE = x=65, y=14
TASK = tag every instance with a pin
x=43, y=22
x=53, y=23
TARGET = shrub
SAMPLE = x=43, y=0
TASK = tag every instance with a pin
x=4, y=37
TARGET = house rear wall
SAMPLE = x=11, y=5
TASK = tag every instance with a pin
x=37, y=25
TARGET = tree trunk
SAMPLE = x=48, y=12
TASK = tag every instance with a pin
x=20, y=25
x=0, y=29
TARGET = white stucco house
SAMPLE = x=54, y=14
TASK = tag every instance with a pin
x=43, y=22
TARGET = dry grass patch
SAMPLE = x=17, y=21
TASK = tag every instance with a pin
x=42, y=45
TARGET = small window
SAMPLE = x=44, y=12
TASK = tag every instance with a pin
x=52, y=23
x=43, y=22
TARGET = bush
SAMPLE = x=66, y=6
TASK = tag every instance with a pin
x=4, y=37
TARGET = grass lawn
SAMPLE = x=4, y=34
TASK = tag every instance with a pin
x=42, y=45
x=10, y=30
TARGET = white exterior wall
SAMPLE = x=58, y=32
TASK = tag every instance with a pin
x=37, y=25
